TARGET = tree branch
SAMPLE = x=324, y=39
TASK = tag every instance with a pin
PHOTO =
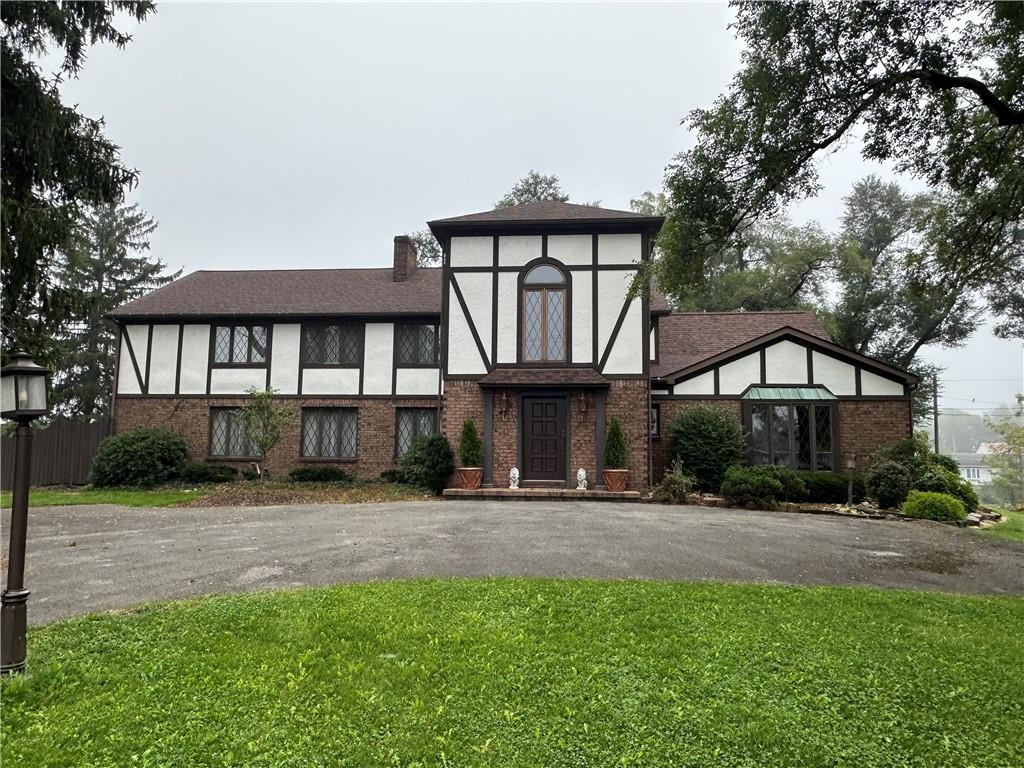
x=1004, y=113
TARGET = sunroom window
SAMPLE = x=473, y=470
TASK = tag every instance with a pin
x=795, y=433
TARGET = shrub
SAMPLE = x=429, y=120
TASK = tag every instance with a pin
x=929, y=505
x=392, y=476
x=889, y=483
x=675, y=487
x=324, y=474
x=939, y=480
x=830, y=487
x=752, y=485
x=471, y=452
x=706, y=440
x=793, y=488
x=209, y=473
x=428, y=463
x=141, y=458
x=615, y=446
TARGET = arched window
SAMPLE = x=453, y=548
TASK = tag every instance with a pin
x=544, y=308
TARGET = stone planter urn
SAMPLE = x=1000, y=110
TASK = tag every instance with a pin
x=615, y=479
x=470, y=477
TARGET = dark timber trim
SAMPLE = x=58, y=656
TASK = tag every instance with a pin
x=599, y=435
x=135, y=362
x=494, y=303
x=488, y=480
x=593, y=303
x=472, y=326
x=615, y=332
x=177, y=363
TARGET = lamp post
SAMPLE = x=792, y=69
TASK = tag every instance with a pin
x=22, y=398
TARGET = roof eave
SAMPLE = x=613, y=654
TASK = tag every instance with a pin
x=642, y=224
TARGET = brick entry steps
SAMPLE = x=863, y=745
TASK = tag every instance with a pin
x=540, y=494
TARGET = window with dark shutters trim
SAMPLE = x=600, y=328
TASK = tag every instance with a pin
x=416, y=344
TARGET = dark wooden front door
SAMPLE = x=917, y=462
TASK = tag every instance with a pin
x=543, y=438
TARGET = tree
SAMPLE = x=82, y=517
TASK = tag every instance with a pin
x=1007, y=460
x=534, y=187
x=812, y=75
x=54, y=160
x=108, y=266
x=263, y=419
x=428, y=250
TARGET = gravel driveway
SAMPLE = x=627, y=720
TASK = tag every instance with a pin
x=83, y=559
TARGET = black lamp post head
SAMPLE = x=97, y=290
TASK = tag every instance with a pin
x=23, y=388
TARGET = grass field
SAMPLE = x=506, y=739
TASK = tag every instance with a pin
x=524, y=672
x=129, y=497
x=1011, y=527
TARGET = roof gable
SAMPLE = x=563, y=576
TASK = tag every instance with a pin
x=550, y=214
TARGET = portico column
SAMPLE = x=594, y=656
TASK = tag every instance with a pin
x=599, y=399
x=488, y=481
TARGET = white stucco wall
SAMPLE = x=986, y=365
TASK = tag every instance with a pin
x=873, y=384
x=516, y=250
x=195, y=357
x=330, y=381
x=582, y=318
x=234, y=381
x=471, y=251
x=127, y=382
x=612, y=287
x=571, y=249
x=704, y=384
x=736, y=376
x=508, y=333
x=284, y=358
x=476, y=289
x=838, y=376
x=378, y=353
x=164, y=364
x=416, y=381
x=619, y=249
x=627, y=353
x=785, y=363
x=463, y=355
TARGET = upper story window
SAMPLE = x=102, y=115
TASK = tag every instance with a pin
x=416, y=344
x=240, y=345
x=543, y=332
x=332, y=345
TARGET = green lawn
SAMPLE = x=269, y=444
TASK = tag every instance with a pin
x=524, y=672
x=129, y=497
x=1011, y=527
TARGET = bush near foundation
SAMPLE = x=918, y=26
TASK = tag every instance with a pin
x=928, y=505
x=209, y=472
x=925, y=471
x=675, y=487
x=428, y=463
x=939, y=480
x=830, y=487
x=706, y=440
x=143, y=458
x=889, y=483
x=749, y=485
x=325, y=474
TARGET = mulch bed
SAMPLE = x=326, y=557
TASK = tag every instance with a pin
x=252, y=494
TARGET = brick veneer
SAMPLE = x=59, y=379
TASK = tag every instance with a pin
x=864, y=427
x=190, y=417
x=626, y=400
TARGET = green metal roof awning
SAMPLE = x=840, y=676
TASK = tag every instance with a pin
x=788, y=393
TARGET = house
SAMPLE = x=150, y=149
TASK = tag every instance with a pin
x=973, y=466
x=529, y=327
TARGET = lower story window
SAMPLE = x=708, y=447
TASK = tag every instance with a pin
x=228, y=438
x=411, y=423
x=329, y=433
x=795, y=435
x=655, y=420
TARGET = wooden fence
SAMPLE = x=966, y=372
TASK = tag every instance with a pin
x=62, y=453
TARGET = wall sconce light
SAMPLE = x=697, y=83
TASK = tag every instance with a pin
x=582, y=401
x=503, y=406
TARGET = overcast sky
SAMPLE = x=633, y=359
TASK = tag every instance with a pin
x=308, y=135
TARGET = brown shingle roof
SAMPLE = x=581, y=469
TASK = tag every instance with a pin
x=548, y=210
x=295, y=292
x=686, y=338
x=543, y=377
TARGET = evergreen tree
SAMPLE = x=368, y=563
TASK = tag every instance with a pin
x=55, y=160
x=108, y=265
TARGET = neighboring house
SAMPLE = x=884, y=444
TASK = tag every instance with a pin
x=973, y=466
x=529, y=328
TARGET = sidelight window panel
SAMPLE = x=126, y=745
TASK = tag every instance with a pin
x=823, y=456
x=759, y=449
x=780, y=435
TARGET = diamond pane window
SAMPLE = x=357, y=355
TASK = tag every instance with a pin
x=798, y=435
x=332, y=344
x=329, y=433
x=411, y=423
x=533, y=318
x=544, y=311
x=417, y=344
x=228, y=437
x=240, y=344
x=555, y=325
x=222, y=345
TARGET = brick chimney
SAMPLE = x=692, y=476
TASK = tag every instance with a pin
x=405, y=259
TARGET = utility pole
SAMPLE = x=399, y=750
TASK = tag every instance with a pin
x=935, y=409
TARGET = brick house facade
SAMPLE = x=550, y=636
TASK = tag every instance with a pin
x=530, y=328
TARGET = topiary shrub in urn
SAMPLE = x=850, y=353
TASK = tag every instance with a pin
x=615, y=472
x=470, y=470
